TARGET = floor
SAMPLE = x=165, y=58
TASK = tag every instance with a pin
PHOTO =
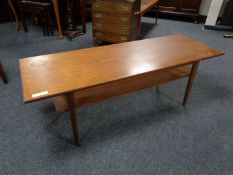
x=148, y=132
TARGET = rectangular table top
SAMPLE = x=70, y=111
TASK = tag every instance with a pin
x=55, y=74
x=146, y=5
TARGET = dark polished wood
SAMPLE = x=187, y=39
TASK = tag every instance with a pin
x=3, y=74
x=95, y=74
x=186, y=8
x=115, y=21
x=87, y=8
x=118, y=21
x=71, y=30
x=5, y=11
x=12, y=6
x=40, y=11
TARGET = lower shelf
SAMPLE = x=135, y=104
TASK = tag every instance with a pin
x=122, y=87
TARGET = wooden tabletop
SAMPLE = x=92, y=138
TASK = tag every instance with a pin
x=147, y=5
x=55, y=74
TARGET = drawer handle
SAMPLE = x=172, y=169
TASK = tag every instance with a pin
x=97, y=5
x=137, y=12
x=98, y=25
x=123, y=38
x=98, y=16
x=99, y=34
x=124, y=19
x=124, y=8
x=124, y=29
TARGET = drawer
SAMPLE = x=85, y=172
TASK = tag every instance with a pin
x=113, y=28
x=101, y=17
x=109, y=37
x=112, y=6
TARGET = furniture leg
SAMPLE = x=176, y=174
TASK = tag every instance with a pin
x=48, y=21
x=139, y=27
x=10, y=2
x=56, y=10
x=190, y=81
x=228, y=35
x=42, y=23
x=73, y=117
x=157, y=14
x=23, y=21
x=3, y=74
x=82, y=17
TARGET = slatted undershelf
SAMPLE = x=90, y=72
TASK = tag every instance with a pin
x=122, y=87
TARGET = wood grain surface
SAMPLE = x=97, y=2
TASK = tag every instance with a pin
x=55, y=74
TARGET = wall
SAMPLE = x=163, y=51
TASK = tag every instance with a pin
x=205, y=6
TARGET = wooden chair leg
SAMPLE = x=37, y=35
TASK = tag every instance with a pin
x=56, y=10
x=190, y=81
x=23, y=21
x=11, y=4
x=3, y=74
x=48, y=21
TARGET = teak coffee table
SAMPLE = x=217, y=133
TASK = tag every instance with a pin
x=86, y=76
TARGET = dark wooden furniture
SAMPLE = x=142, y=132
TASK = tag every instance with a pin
x=71, y=10
x=118, y=21
x=40, y=12
x=115, y=21
x=3, y=74
x=13, y=8
x=87, y=8
x=71, y=30
x=187, y=8
x=86, y=76
x=147, y=5
x=5, y=13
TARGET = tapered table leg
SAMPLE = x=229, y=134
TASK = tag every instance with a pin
x=73, y=117
x=56, y=10
x=157, y=14
x=3, y=74
x=190, y=81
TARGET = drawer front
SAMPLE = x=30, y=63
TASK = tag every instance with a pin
x=109, y=37
x=113, y=28
x=100, y=17
x=112, y=7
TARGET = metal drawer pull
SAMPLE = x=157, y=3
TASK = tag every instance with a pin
x=124, y=19
x=123, y=38
x=124, y=29
x=98, y=25
x=137, y=12
x=124, y=8
x=98, y=15
x=99, y=34
x=97, y=5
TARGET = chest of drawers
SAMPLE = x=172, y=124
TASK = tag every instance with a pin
x=115, y=21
